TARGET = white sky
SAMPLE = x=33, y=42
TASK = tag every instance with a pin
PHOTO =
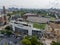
x=30, y=3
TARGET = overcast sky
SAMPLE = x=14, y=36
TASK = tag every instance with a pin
x=30, y=3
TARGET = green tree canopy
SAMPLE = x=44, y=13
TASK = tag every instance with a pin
x=55, y=43
x=26, y=42
x=31, y=40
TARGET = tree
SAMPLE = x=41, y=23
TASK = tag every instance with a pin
x=35, y=41
x=9, y=14
x=7, y=28
x=8, y=32
x=27, y=37
x=26, y=42
x=2, y=31
x=31, y=40
x=55, y=43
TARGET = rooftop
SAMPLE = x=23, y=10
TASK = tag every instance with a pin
x=35, y=26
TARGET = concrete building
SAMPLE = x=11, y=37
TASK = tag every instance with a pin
x=26, y=28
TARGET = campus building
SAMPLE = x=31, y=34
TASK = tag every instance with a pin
x=25, y=28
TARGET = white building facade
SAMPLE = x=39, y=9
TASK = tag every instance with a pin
x=25, y=28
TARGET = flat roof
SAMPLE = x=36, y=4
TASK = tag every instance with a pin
x=20, y=22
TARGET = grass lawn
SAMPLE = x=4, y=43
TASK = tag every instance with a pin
x=39, y=26
x=52, y=18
